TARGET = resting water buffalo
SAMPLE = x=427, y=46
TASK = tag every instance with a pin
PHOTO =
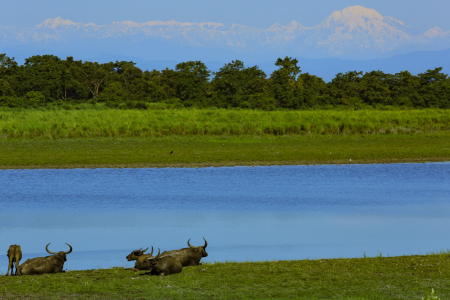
x=188, y=256
x=160, y=265
x=48, y=264
x=139, y=255
x=14, y=255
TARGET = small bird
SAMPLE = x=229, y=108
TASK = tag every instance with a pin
x=330, y=153
x=171, y=152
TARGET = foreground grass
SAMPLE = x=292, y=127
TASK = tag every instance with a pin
x=134, y=123
x=223, y=151
x=405, y=277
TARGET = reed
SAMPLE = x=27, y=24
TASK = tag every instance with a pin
x=90, y=123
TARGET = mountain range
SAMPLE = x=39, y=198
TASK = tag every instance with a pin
x=356, y=38
x=353, y=33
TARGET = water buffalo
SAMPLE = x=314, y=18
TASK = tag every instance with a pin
x=49, y=264
x=188, y=256
x=14, y=255
x=160, y=266
x=138, y=255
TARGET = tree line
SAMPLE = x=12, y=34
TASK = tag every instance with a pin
x=48, y=80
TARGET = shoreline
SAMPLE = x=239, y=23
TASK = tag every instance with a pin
x=231, y=164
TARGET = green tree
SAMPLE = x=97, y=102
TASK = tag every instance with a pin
x=233, y=84
x=94, y=76
x=114, y=94
x=404, y=89
x=313, y=92
x=192, y=83
x=42, y=73
x=283, y=81
x=8, y=73
x=434, y=88
x=7, y=65
x=33, y=99
x=375, y=88
x=347, y=88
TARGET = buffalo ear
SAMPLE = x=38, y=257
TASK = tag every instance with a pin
x=137, y=253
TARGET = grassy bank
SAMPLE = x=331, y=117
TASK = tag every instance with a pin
x=405, y=277
x=223, y=151
x=134, y=123
x=199, y=138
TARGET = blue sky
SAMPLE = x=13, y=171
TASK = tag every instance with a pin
x=421, y=15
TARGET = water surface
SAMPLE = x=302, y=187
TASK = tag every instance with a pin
x=245, y=213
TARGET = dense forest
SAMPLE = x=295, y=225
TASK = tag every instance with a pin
x=47, y=80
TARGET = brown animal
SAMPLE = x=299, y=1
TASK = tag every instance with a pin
x=188, y=256
x=49, y=264
x=14, y=255
x=138, y=255
x=160, y=266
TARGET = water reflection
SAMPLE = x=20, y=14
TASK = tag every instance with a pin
x=245, y=213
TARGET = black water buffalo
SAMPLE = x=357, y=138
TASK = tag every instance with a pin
x=49, y=264
x=14, y=255
x=160, y=266
x=188, y=256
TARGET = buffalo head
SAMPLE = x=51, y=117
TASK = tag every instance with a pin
x=154, y=260
x=200, y=248
x=136, y=253
x=61, y=254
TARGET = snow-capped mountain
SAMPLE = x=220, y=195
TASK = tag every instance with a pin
x=355, y=32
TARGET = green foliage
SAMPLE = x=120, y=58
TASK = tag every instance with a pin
x=192, y=83
x=114, y=93
x=6, y=89
x=237, y=86
x=283, y=82
x=33, y=99
x=122, y=85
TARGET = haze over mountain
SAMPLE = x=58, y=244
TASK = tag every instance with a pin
x=354, y=33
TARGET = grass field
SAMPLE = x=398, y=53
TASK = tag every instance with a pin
x=200, y=138
x=134, y=123
x=223, y=151
x=404, y=277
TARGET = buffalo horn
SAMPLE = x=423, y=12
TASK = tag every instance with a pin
x=190, y=246
x=159, y=253
x=206, y=243
x=69, y=250
x=144, y=250
x=152, y=252
x=46, y=248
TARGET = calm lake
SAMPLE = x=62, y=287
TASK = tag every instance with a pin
x=245, y=213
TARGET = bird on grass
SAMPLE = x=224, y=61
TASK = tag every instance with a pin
x=171, y=152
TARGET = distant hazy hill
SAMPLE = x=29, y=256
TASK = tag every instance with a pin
x=355, y=32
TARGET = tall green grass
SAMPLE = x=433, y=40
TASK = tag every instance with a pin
x=157, y=123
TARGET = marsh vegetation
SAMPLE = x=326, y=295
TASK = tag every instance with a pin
x=33, y=124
